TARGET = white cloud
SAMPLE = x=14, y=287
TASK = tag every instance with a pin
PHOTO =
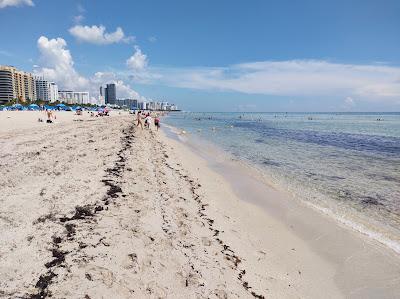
x=80, y=8
x=138, y=61
x=78, y=19
x=349, y=103
x=56, y=64
x=81, y=14
x=152, y=39
x=290, y=78
x=5, y=3
x=98, y=35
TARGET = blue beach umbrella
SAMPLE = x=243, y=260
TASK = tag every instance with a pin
x=17, y=107
x=33, y=107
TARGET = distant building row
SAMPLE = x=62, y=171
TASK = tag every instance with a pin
x=108, y=96
x=23, y=87
x=141, y=105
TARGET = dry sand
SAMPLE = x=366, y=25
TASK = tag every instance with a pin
x=97, y=208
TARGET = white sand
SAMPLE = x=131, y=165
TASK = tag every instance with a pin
x=99, y=209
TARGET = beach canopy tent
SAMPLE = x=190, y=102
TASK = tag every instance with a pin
x=49, y=107
x=77, y=108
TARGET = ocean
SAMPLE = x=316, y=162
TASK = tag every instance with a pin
x=346, y=165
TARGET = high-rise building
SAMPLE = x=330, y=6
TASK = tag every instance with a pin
x=15, y=84
x=53, y=92
x=7, y=92
x=42, y=89
x=111, y=94
x=101, y=100
x=29, y=87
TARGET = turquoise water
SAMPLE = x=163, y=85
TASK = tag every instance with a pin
x=347, y=164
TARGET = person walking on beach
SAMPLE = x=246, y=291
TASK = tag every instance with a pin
x=157, y=122
x=147, y=121
x=139, y=119
x=50, y=116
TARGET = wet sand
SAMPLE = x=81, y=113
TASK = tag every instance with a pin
x=363, y=267
x=96, y=208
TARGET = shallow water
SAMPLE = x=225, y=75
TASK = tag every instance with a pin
x=347, y=164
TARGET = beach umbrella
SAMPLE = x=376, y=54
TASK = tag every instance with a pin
x=33, y=107
x=61, y=106
x=17, y=107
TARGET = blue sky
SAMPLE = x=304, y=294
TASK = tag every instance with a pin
x=214, y=55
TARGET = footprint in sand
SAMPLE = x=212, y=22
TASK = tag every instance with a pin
x=206, y=241
x=101, y=274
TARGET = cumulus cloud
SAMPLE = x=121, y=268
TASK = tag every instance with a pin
x=290, y=78
x=138, y=61
x=56, y=64
x=98, y=35
x=5, y=3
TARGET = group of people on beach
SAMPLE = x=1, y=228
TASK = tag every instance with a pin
x=146, y=117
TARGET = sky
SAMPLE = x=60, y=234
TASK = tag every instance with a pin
x=214, y=55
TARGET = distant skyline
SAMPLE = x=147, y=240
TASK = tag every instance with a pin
x=214, y=55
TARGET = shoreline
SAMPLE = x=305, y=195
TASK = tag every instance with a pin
x=351, y=218
x=330, y=238
x=102, y=208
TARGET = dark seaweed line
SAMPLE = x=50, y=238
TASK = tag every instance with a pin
x=83, y=213
x=229, y=254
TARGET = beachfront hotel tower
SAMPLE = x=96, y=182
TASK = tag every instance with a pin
x=16, y=85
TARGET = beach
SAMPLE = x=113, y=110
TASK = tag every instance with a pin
x=98, y=208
